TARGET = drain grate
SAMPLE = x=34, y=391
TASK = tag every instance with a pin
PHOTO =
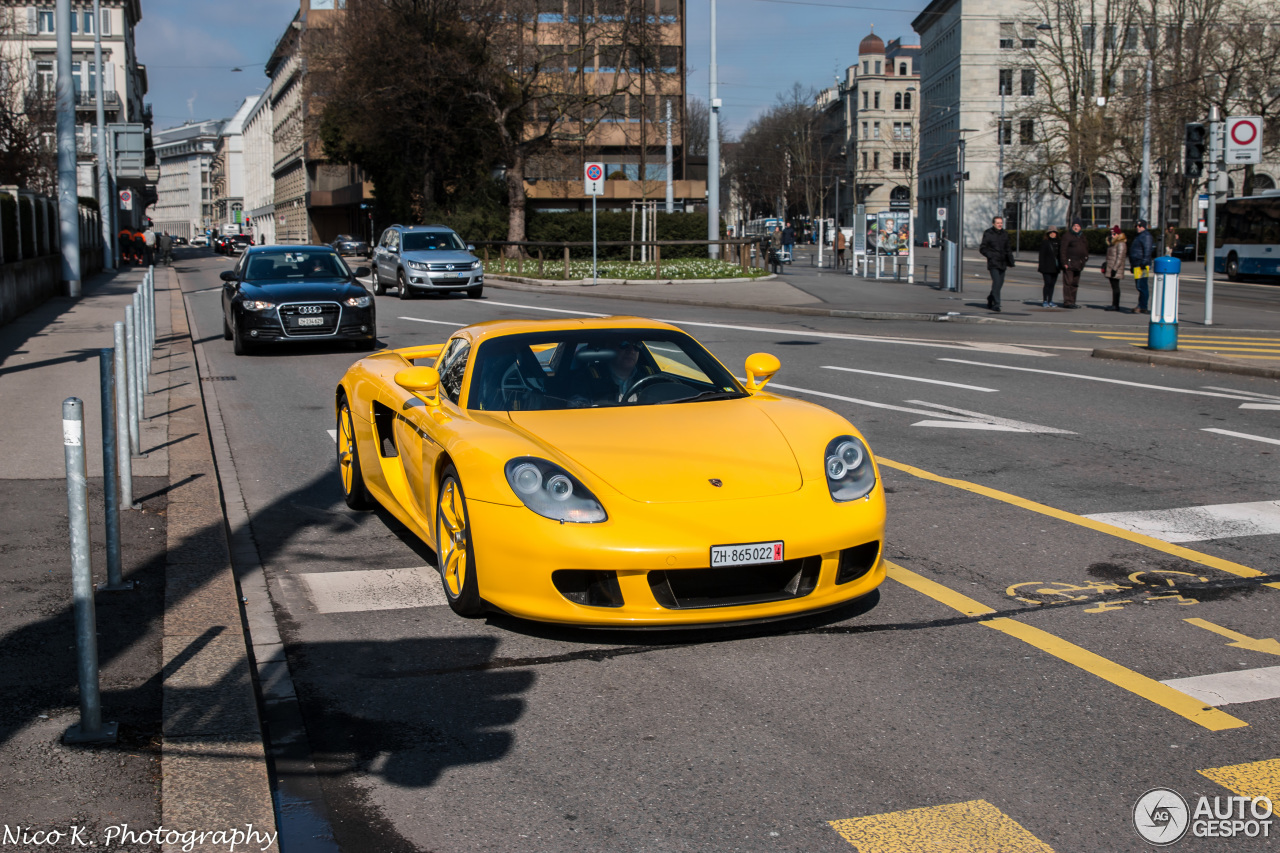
x=217, y=378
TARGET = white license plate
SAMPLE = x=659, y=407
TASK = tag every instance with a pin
x=310, y=321
x=746, y=554
x=451, y=275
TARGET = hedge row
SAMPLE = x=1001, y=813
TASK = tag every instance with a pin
x=576, y=227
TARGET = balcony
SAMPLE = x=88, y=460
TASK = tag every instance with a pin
x=44, y=100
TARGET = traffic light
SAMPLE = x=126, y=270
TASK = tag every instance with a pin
x=1197, y=139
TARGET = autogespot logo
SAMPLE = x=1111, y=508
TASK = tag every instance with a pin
x=1160, y=816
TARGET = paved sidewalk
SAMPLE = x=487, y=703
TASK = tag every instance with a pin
x=174, y=670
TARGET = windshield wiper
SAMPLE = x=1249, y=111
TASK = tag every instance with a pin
x=711, y=395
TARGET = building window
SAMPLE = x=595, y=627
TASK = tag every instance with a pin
x=1027, y=132
x=902, y=161
x=45, y=20
x=88, y=23
x=1130, y=80
x=864, y=131
x=1008, y=35
x=1005, y=132
x=875, y=159
x=1095, y=201
x=1109, y=37
x=106, y=22
x=866, y=101
x=864, y=159
x=1006, y=81
x=877, y=66
x=1087, y=35
x=906, y=101
x=875, y=130
x=877, y=100
x=1028, y=81
x=1130, y=38
x=45, y=79
x=1029, y=37
x=866, y=66
x=897, y=100
x=902, y=69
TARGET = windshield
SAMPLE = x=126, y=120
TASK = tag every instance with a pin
x=590, y=369
x=294, y=265
x=425, y=241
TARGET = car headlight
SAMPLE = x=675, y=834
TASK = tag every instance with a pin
x=257, y=305
x=553, y=492
x=850, y=474
x=475, y=265
x=358, y=302
x=416, y=265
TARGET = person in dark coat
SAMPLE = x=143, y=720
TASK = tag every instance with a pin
x=998, y=251
x=1074, y=254
x=1141, y=254
x=1050, y=265
x=788, y=242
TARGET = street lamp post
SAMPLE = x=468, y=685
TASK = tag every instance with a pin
x=1144, y=198
x=713, y=151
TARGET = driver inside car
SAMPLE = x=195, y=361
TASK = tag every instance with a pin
x=611, y=381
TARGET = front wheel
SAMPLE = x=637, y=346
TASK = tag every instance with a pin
x=226, y=329
x=1233, y=268
x=405, y=293
x=354, y=491
x=454, y=554
x=238, y=343
x=379, y=289
x=474, y=292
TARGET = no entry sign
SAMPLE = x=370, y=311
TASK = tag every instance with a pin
x=594, y=178
x=1244, y=140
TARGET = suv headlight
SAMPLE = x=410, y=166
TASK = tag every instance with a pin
x=357, y=302
x=850, y=474
x=475, y=265
x=257, y=305
x=553, y=492
x=416, y=265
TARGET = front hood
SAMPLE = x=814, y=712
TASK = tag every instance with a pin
x=336, y=289
x=669, y=453
x=437, y=256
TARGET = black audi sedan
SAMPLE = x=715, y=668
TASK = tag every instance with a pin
x=279, y=294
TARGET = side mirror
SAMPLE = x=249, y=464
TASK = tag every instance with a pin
x=229, y=275
x=471, y=247
x=421, y=382
x=361, y=272
x=760, y=369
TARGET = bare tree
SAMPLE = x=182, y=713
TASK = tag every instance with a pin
x=28, y=157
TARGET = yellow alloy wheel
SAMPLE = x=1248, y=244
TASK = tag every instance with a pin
x=353, y=488
x=453, y=548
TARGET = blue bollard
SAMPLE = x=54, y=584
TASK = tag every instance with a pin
x=1162, y=333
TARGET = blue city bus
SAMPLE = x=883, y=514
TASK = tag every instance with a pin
x=1247, y=242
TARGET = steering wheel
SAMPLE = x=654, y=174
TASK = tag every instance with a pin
x=633, y=393
x=514, y=384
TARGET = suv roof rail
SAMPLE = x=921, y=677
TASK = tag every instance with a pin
x=397, y=225
x=446, y=227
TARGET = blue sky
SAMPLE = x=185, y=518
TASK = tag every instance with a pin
x=190, y=47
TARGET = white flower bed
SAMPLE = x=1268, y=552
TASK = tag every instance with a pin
x=679, y=268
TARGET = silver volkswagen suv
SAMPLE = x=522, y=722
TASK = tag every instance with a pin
x=421, y=258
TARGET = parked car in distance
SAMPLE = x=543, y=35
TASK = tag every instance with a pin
x=199, y=240
x=237, y=243
x=180, y=241
x=345, y=244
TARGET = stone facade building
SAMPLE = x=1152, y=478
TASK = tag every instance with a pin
x=184, y=191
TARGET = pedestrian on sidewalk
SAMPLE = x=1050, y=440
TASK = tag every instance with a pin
x=1170, y=239
x=998, y=251
x=149, y=245
x=840, y=246
x=165, y=244
x=1050, y=265
x=1141, y=254
x=1113, y=266
x=1074, y=254
x=788, y=242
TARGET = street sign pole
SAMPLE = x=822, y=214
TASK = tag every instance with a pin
x=1215, y=153
x=593, y=185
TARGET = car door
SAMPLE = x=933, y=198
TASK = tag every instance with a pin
x=379, y=256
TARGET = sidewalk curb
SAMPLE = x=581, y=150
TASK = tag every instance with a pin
x=301, y=813
x=213, y=759
x=1195, y=362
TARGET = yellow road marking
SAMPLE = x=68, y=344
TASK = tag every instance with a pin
x=1121, y=676
x=1200, y=338
x=972, y=827
x=1228, y=350
x=1255, y=779
x=1100, y=526
x=1266, y=645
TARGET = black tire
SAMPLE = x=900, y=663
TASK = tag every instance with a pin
x=405, y=292
x=474, y=292
x=457, y=570
x=365, y=346
x=238, y=343
x=1233, y=267
x=379, y=289
x=226, y=330
x=354, y=491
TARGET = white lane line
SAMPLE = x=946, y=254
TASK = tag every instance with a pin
x=964, y=420
x=1241, y=435
x=910, y=378
x=437, y=322
x=333, y=433
x=982, y=421
x=1268, y=407
x=374, y=589
x=1004, y=348
x=1255, y=394
x=1232, y=396
x=1199, y=523
x=1231, y=688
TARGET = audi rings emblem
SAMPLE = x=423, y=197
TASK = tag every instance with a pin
x=309, y=309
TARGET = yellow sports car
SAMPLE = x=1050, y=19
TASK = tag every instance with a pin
x=611, y=472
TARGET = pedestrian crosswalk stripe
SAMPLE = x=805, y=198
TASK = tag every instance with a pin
x=1231, y=688
x=1254, y=779
x=975, y=826
x=374, y=589
x=1199, y=523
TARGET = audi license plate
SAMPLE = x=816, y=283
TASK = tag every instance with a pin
x=747, y=554
x=310, y=321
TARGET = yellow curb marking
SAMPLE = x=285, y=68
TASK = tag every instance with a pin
x=1121, y=676
x=1256, y=779
x=972, y=827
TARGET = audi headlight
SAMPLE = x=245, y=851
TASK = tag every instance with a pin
x=553, y=492
x=417, y=265
x=257, y=305
x=358, y=302
x=850, y=474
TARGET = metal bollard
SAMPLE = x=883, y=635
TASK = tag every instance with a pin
x=110, y=479
x=151, y=305
x=140, y=341
x=131, y=378
x=124, y=462
x=91, y=728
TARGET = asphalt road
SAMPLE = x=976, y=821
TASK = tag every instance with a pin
x=1005, y=682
